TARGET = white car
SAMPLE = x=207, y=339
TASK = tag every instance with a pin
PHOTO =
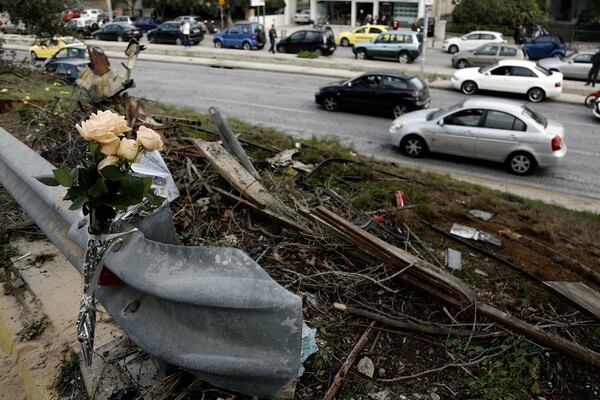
x=302, y=17
x=510, y=76
x=484, y=128
x=91, y=13
x=471, y=41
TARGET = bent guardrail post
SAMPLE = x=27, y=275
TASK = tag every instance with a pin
x=212, y=311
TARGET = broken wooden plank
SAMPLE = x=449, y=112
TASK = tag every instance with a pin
x=230, y=169
x=581, y=296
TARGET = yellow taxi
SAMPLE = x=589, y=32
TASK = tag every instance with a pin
x=365, y=32
x=46, y=48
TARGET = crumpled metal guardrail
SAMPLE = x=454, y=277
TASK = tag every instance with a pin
x=210, y=310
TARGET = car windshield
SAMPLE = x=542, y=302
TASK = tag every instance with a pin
x=435, y=114
x=543, y=70
x=417, y=83
x=485, y=69
x=537, y=117
x=70, y=40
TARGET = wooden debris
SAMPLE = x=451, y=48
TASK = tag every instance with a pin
x=339, y=377
x=413, y=326
x=418, y=274
x=579, y=295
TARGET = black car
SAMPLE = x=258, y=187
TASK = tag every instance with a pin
x=170, y=32
x=117, y=31
x=146, y=24
x=321, y=41
x=391, y=92
x=69, y=69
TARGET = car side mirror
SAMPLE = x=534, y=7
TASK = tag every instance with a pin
x=570, y=61
x=440, y=122
x=487, y=73
x=463, y=38
x=349, y=84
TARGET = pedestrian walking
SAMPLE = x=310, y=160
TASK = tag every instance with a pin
x=185, y=31
x=517, y=33
x=395, y=24
x=593, y=74
x=272, y=37
x=539, y=31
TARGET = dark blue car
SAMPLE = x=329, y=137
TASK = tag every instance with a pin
x=545, y=46
x=146, y=24
x=68, y=70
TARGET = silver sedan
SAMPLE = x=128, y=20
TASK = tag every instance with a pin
x=574, y=66
x=485, y=128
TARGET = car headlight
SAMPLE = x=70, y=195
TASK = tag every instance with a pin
x=396, y=126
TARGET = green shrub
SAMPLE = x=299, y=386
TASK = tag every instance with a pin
x=307, y=54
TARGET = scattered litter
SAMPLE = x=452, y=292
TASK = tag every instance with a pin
x=480, y=272
x=472, y=233
x=309, y=345
x=399, y=199
x=283, y=157
x=484, y=215
x=453, y=259
x=4, y=90
x=365, y=366
x=15, y=259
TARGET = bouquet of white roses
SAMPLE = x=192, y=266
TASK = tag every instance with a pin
x=104, y=183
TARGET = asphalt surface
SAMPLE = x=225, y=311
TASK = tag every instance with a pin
x=436, y=75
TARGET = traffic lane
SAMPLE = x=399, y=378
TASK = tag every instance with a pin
x=286, y=102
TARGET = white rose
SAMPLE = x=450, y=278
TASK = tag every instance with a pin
x=129, y=150
x=110, y=148
x=149, y=139
x=110, y=160
x=102, y=127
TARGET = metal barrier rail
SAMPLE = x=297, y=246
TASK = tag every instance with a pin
x=210, y=310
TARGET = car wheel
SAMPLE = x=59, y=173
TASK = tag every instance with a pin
x=281, y=49
x=468, y=87
x=94, y=27
x=413, y=146
x=404, y=58
x=521, y=163
x=535, y=95
x=119, y=38
x=330, y=103
x=345, y=42
x=218, y=44
x=34, y=56
x=590, y=101
x=319, y=51
x=453, y=49
x=152, y=39
x=246, y=46
x=361, y=55
x=399, y=110
x=462, y=63
x=178, y=42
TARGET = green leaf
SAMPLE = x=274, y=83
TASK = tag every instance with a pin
x=78, y=202
x=98, y=189
x=154, y=198
x=133, y=187
x=113, y=173
x=122, y=201
x=63, y=176
x=74, y=192
x=48, y=180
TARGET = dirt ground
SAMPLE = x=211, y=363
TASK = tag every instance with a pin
x=416, y=346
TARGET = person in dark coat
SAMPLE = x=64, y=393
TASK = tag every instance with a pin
x=272, y=37
x=593, y=74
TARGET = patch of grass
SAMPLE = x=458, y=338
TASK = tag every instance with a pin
x=33, y=329
x=307, y=54
x=69, y=383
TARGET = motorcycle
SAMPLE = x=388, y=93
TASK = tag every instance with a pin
x=590, y=100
